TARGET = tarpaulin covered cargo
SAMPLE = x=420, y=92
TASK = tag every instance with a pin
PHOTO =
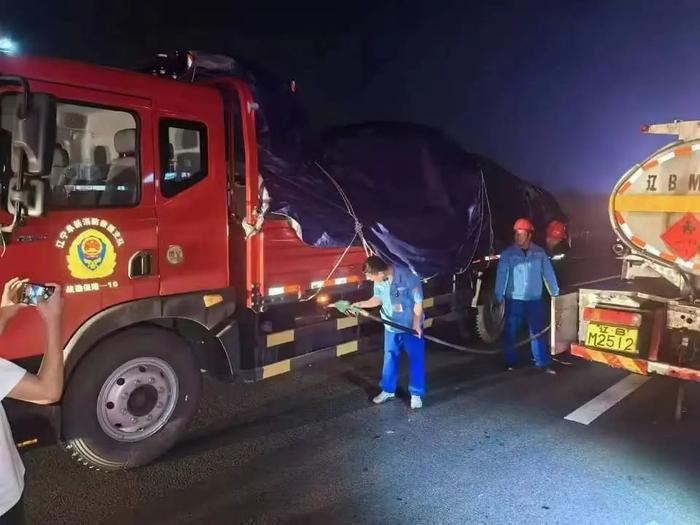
x=419, y=199
x=409, y=191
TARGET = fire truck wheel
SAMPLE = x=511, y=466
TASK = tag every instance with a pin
x=130, y=398
x=490, y=317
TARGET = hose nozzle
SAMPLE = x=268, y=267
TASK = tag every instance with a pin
x=346, y=308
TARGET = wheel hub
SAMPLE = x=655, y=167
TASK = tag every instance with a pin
x=137, y=399
x=142, y=401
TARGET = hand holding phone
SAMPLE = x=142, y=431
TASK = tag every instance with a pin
x=52, y=309
x=12, y=292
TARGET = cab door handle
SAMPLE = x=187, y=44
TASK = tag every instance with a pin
x=140, y=265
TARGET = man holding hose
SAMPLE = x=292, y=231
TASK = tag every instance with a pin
x=400, y=294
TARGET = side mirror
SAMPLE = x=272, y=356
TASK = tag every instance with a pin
x=34, y=135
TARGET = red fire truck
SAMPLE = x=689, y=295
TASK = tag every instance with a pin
x=135, y=193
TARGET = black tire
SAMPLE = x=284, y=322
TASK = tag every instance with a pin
x=84, y=435
x=489, y=320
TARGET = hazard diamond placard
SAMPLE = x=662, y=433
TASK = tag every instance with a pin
x=683, y=238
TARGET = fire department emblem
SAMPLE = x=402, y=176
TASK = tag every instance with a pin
x=91, y=255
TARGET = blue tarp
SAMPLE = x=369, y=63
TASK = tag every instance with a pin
x=421, y=200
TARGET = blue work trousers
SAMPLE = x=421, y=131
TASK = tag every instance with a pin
x=415, y=349
x=532, y=313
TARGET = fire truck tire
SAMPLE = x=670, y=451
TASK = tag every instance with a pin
x=489, y=320
x=130, y=398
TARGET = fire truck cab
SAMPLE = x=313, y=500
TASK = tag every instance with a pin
x=130, y=191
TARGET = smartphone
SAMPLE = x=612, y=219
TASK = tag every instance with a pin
x=32, y=293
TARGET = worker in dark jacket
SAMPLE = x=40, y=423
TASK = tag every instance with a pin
x=522, y=268
x=555, y=240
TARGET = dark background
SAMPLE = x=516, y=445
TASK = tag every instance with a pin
x=555, y=91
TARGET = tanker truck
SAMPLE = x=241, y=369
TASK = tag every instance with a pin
x=649, y=321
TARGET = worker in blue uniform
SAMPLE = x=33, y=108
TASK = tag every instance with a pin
x=399, y=292
x=522, y=268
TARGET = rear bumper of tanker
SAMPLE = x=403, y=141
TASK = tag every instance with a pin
x=634, y=365
x=622, y=328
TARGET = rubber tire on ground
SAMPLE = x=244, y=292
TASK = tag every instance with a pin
x=83, y=436
x=489, y=321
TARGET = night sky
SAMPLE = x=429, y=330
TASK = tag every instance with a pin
x=555, y=91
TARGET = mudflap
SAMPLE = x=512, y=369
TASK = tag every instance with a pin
x=564, y=328
x=33, y=425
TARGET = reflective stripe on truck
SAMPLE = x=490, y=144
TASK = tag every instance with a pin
x=634, y=365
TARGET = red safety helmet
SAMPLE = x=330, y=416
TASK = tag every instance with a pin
x=556, y=230
x=523, y=224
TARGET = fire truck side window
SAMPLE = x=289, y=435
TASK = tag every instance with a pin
x=95, y=162
x=183, y=155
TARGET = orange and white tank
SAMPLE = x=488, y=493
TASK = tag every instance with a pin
x=655, y=206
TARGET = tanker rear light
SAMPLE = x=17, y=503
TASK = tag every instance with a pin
x=615, y=317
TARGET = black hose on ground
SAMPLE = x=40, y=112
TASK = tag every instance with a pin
x=344, y=307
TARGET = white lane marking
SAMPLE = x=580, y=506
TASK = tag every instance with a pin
x=617, y=276
x=603, y=402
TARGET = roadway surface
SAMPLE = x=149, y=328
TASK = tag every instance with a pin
x=490, y=447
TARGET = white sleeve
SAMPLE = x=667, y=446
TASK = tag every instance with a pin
x=10, y=375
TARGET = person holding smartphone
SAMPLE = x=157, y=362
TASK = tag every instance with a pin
x=43, y=388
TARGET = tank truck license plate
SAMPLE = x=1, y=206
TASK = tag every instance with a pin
x=616, y=338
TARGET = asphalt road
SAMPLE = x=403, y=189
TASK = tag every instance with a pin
x=489, y=447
